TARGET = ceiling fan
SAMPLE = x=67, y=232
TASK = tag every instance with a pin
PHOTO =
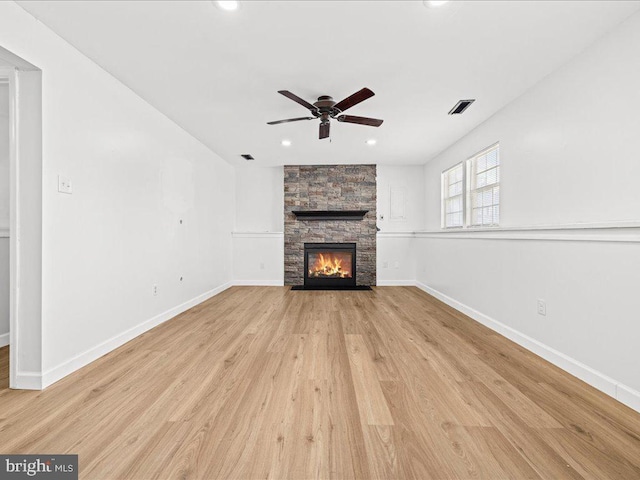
x=325, y=109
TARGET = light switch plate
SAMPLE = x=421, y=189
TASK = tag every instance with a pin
x=64, y=184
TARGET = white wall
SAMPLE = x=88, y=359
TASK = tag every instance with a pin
x=258, y=249
x=4, y=214
x=4, y=289
x=258, y=258
x=401, y=210
x=395, y=259
x=259, y=199
x=400, y=205
x=135, y=175
x=569, y=147
x=4, y=156
x=569, y=154
x=258, y=240
x=258, y=254
x=26, y=234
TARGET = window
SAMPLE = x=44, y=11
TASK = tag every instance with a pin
x=484, y=188
x=471, y=191
x=452, y=197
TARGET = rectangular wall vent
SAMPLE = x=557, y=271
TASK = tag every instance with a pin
x=460, y=107
x=246, y=156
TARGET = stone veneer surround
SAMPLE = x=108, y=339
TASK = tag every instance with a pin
x=329, y=187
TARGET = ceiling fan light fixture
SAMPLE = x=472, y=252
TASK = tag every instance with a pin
x=228, y=6
x=285, y=143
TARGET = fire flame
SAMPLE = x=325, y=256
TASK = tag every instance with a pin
x=330, y=264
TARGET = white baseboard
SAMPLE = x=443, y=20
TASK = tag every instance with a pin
x=27, y=381
x=258, y=283
x=596, y=379
x=79, y=361
x=395, y=283
x=628, y=396
x=4, y=339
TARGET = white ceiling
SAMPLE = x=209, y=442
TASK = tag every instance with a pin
x=217, y=73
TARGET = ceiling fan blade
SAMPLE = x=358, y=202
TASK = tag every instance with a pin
x=372, y=122
x=297, y=99
x=290, y=120
x=324, y=130
x=354, y=99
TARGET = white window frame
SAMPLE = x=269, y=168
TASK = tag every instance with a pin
x=468, y=170
x=444, y=187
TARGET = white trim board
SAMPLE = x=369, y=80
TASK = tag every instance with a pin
x=257, y=234
x=618, y=231
x=621, y=224
x=383, y=234
x=65, y=368
x=258, y=283
x=602, y=382
x=537, y=235
x=4, y=339
x=27, y=381
x=626, y=232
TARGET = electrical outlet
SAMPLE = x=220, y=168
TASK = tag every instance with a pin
x=542, y=307
x=261, y=266
x=396, y=265
x=64, y=185
x=385, y=264
x=155, y=290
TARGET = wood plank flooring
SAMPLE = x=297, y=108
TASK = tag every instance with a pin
x=263, y=382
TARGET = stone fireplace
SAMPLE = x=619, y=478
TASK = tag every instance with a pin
x=334, y=205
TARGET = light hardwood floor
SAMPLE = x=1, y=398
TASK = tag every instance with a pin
x=263, y=382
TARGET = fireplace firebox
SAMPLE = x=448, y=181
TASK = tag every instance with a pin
x=330, y=265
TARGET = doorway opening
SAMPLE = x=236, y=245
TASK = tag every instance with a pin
x=20, y=223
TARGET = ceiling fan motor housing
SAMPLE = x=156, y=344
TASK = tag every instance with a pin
x=325, y=104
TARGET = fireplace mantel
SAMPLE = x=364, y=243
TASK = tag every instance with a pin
x=330, y=214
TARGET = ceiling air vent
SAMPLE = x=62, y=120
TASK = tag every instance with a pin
x=460, y=107
x=246, y=156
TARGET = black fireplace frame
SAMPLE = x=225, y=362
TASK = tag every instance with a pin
x=329, y=247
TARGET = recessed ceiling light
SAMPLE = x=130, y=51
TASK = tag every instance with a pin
x=435, y=3
x=371, y=141
x=229, y=6
x=286, y=143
